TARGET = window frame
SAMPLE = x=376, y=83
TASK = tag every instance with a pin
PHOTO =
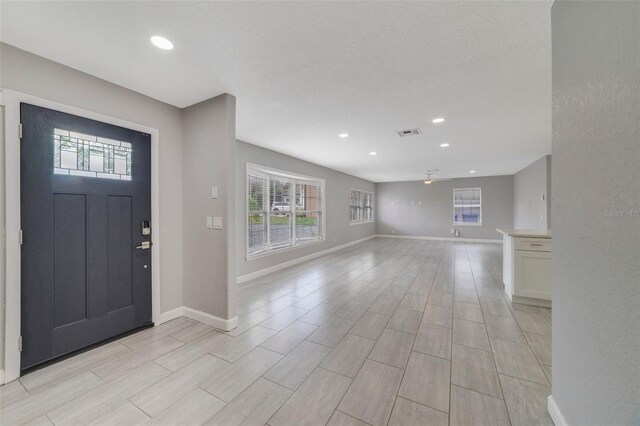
x=453, y=215
x=361, y=206
x=294, y=179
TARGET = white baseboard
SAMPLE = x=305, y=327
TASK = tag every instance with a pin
x=203, y=317
x=169, y=315
x=261, y=273
x=212, y=320
x=555, y=413
x=462, y=240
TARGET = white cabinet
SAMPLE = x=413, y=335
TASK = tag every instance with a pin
x=533, y=274
x=527, y=267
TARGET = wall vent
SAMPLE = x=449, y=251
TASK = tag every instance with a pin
x=408, y=132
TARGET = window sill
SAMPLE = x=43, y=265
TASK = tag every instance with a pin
x=284, y=249
x=467, y=224
x=361, y=223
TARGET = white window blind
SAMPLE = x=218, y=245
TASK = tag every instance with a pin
x=362, y=207
x=356, y=207
x=284, y=210
x=368, y=207
x=467, y=206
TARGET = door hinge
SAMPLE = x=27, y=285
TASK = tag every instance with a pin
x=20, y=343
x=20, y=237
x=20, y=130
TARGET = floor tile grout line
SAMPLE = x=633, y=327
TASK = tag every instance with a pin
x=525, y=380
x=336, y=410
x=528, y=344
x=495, y=364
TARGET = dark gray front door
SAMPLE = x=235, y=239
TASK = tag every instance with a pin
x=85, y=194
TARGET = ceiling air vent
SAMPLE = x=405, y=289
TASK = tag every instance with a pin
x=408, y=132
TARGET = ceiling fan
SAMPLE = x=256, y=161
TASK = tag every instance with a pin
x=429, y=181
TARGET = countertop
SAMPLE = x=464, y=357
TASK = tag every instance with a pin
x=531, y=233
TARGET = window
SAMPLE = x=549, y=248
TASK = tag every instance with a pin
x=467, y=206
x=283, y=210
x=368, y=207
x=356, y=208
x=361, y=208
x=78, y=154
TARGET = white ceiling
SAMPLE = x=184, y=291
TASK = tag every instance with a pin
x=303, y=72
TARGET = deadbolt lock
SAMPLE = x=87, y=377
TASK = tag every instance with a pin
x=145, y=228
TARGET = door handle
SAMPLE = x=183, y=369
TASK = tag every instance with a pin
x=145, y=245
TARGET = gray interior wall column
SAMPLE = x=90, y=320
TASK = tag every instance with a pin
x=530, y=186
x=596, y=212
x=209, y=160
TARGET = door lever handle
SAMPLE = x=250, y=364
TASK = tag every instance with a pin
x=145, y=245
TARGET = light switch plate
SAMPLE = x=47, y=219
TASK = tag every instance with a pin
x=209, y=222
x=217, y=222
x=214, y=192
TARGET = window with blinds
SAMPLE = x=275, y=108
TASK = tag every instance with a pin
x=467, y=206
x=356, y=207
x=283, y=210
x=367, y=209
x=362, y=207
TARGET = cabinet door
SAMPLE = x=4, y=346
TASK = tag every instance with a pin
x=533, y=274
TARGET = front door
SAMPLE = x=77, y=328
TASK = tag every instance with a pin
x=85, y=212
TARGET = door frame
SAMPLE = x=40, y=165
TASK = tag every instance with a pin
x=11, y=100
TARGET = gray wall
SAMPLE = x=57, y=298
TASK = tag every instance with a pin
x=338, y=186
x=3, y=239
x=209, y=140
x=596, y=172
x=529, y=186
x=37, y=76
x=416, y=209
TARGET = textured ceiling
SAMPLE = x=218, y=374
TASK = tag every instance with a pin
x=303, y=72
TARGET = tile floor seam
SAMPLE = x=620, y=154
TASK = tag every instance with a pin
x=348, y=415
x=425, y=405
x=528, y=344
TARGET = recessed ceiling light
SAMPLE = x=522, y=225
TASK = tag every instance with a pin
x=161, y=43
x=428, y=182
x=472, y=171
x=373, y=153
x=437, y=120
x=444, y=145
x=343, y=135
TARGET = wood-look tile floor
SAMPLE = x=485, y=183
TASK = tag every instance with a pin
x=391, y=331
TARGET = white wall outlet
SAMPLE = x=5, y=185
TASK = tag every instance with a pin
x=209, y=222
x=214, y=192
x=217, y=222
x=452, y=230
x=393, y=231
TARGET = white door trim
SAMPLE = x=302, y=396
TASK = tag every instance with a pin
x=11, y=100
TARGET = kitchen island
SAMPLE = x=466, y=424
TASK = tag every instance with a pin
x=526, y=267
